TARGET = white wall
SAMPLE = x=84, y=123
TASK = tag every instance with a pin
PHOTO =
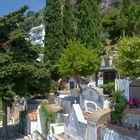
x=41, y=121
x=37, y=35
x=33, y=126
x=92, y=132
x=57, y=128
x=123, y=85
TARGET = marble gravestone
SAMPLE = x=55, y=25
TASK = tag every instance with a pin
x=92, y=99
x=134, y=89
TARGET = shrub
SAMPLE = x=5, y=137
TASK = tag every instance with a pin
x=110, y=87
x=50, y=116
x=118, y=103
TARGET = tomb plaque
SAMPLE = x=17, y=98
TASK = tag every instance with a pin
x=135, y=89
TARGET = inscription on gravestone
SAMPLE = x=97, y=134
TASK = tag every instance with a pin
x=134, y=89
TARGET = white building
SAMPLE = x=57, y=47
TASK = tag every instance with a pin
x=37, y=35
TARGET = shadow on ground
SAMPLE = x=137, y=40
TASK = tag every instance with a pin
x=13, y=133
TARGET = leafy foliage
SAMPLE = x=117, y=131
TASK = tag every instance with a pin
x=110, y=25
x=20, y=74
x=50, y=117
x=88, y=23
x=32, y=19
x=10, y=22
x=25, y=68
x=69, y=19
x=108, y=86
x=66, y=20
x=118, y=103
x=127, y=60
x=54, y=38
x=124, y=20
x=77, y=61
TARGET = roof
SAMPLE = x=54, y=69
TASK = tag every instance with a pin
x=32, y=104
x=32, y=116
x=38, y=27
x=99, y=117
x=54, y=107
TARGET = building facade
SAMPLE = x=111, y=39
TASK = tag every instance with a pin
x=37, y=35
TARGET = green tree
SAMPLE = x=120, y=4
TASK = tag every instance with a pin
x=20, y=74
x=88, y=23
x=110, y=25
x=54, y=38
x=77, y=61
x=127, y=59
x=32, y=19
x=7, y=24
x=69, y=19
x=124, y=20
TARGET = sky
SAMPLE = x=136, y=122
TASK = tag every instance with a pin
x=7, y=6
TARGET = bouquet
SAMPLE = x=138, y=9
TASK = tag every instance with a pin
x=133, y=102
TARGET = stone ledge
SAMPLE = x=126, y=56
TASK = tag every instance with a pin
x=133, y=111
x=99, y=116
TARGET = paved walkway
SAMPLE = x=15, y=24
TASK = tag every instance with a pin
x=13, y=133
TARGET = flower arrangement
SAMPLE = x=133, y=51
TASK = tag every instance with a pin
x=133, y=102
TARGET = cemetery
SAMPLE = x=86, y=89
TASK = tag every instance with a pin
x=89, y=118
x=70, y=70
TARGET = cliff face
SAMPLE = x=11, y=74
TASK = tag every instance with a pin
x=105, y=4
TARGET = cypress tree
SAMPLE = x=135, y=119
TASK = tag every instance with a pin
x=88, y=23
x=54, y=38
x=69, y=19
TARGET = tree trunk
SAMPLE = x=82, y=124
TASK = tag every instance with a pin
x=4, y=121
x=96, y=79
x=78, y=83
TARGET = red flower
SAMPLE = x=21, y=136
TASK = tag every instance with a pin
x=133, y=102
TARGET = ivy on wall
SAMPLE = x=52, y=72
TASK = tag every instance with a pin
x=49, y=116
